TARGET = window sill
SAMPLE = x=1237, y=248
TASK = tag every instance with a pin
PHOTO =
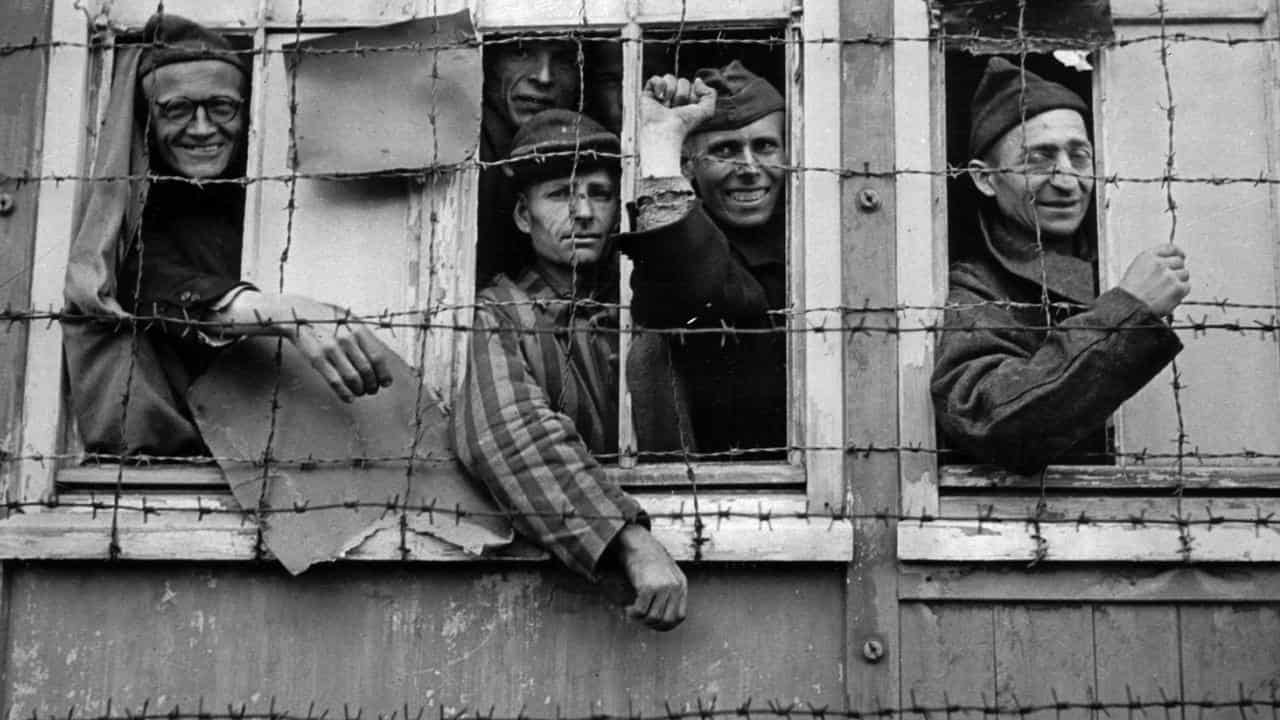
x=734, y=528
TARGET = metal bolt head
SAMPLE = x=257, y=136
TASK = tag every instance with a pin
x=6, y=203
x=873, y=650
x=868, y=200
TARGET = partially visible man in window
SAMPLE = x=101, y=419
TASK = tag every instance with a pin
x=541, y=392
x=169, y=249
x=710, y=251
x=1032, y=361
x=521, y=79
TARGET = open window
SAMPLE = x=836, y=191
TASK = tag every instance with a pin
x=404, y=247
x=1194, y=450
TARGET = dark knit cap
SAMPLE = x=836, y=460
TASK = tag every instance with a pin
x=742, y=97
x=177, y=39
x=998, y=104
x=555, y=142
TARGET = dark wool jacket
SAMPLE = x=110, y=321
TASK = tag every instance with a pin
x=1018, y=388
x=691, y=273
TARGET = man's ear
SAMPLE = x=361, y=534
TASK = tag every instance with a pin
x=520, y=214
x=981, y=177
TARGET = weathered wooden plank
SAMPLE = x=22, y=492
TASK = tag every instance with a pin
x=1129, y=510
x=733, y=529
x=1188, y=11
x=1136, y=651
x=1101, y=477
x=1044, y=653
x=948, y=655
x=1122, y=583
x=867, y=92
x=951, y=541
x=22, y=84
x=471, y=637
x=1229, y=654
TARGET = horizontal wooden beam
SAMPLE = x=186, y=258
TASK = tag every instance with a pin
x=1132, y=583
x=1132, y=477
x=724, y=529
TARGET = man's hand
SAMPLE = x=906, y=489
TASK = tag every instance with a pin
x=347, y=355
x=1159, y=278
x=661, y=588
x=670, y=109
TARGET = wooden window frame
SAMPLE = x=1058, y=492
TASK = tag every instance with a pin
x=735, y=526
x=985, y=514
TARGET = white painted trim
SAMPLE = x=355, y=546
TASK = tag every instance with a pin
x=920, y=266
x=823, y=264
x=968, y=541
x=173, y=533
x=62, y=150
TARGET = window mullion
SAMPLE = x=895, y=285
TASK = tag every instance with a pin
x=632, y=77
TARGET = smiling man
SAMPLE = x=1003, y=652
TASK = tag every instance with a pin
x=521, y=79
x=710, y=251
x=541, y=394
x=167, y=248
x=1018, y=382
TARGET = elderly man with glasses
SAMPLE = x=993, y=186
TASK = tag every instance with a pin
x=158, y=246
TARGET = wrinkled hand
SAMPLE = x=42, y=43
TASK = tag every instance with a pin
x=1158, y=277
x=347, y=355
x=675, y=105
x=661, y=588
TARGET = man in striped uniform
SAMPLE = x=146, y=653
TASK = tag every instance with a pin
x=541, y=392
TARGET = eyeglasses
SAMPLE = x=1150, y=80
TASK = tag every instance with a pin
x=220, y=109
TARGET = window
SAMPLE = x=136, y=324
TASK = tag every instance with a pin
x=1224, y=405
x=381, y=244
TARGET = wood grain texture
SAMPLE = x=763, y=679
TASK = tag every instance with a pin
x=1121, y=582
x=22, y=84
x=1136, y=651
x=1044, y=653
x=1229, y=653
x=446, y=638
x=948, y=654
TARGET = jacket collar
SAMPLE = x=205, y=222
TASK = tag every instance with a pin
x=1014, y=248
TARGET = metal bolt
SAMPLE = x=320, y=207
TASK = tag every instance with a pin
x=868, y=200
x=873, y=651
x=6, y=203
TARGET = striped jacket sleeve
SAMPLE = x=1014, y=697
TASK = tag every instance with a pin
x=530, y=457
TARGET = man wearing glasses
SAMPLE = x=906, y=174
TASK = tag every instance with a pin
x=163, y=247
x=1032, y=361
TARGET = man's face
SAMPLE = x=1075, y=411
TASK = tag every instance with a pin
x=605, y=88
x=524, y=78
x=193, y=126
x=569, y=222
x=1049, y=173
x=739, y=173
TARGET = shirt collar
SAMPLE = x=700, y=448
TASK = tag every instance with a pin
x=1015, y=249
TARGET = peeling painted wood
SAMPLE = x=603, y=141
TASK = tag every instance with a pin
x=959, y=541
x=1136, y=652
x=1097, y=477
x=999, y=582
x=1043, y=654
x=1229, y=653
x=948, y=655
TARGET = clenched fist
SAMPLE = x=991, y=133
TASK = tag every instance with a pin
x=1158, y=277
x=660, y=586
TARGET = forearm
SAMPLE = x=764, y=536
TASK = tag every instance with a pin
x=1021, y=406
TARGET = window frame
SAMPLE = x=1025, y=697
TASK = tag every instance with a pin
x=986, y=514
x=749, y=525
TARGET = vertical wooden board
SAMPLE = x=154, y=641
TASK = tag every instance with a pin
x=1042, y=650
x=871, y=359
x=22, y=84
x=1227, y=651
x=948, y=654
x=1136, y=650
x=444, y=638
x=1227, y=230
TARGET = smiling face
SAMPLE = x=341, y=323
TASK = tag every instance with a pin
x=189, y=103
x=569, y=222
x=524, y=78
x=739, y=173
x=1048, y=181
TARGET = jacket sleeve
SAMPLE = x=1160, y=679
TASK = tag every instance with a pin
x=684, y=269
x=1005, y=397
x=531, y=458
